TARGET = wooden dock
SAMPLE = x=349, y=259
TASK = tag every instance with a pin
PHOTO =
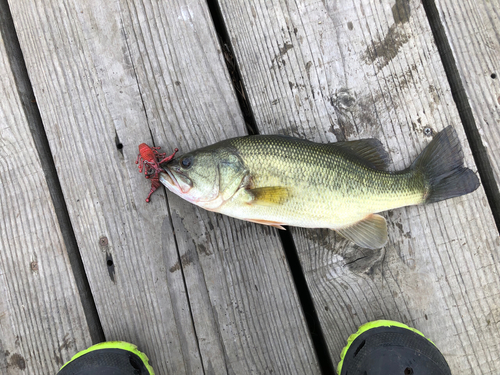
x=83, y=257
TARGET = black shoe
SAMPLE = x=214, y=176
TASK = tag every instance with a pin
x=385, y=347
x=108, y=358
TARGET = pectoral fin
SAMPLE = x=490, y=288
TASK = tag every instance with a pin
x=269, y=196
x=369, y=233
x=268, y=222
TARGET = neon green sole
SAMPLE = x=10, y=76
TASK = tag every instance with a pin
x=367, y=326
x=115, y=345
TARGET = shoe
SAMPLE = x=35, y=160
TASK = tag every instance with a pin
x=385, y=347
x=108, y=358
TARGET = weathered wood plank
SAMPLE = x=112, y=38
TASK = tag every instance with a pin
x=330, y=71
x=87, y=94
x=472, y=29
x=41, y=317
x=197, y=292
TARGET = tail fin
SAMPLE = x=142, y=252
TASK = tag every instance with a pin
x=442, y=164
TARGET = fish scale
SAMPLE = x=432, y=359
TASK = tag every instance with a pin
x=328, y=187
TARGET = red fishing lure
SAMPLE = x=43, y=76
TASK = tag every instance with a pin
x=149, y=160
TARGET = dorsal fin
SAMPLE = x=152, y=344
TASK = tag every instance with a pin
x=369, y=150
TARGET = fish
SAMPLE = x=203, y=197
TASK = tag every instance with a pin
x=283, y=181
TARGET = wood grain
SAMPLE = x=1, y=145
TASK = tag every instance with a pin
x=198, y=293
x=41, y=317
x=328, y=71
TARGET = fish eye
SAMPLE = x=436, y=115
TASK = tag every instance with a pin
x=187, y=162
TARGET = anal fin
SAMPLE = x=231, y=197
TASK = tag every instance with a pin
x=369, y=233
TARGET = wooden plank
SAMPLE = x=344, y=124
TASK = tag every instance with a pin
x=329, y=71
x=472, y=29
x=42, y=321
x=197, y=292
x=100, y=181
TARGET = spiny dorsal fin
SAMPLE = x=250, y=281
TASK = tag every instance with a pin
x=369, y=233
x=269, y=195
x=369, y=150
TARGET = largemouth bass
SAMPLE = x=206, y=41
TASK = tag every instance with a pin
x=279, y=180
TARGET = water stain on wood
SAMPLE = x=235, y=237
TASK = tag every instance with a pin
x=283, y=50
x=16, y=361
x=401, y=11
x=186, y=260
x=402, y=231
x=277, y=61
x=66, y=344
x=387, y=49
x=203, y=250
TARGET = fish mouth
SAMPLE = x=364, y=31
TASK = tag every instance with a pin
x=176, y=183
x=168, y=179
x=181, y=185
